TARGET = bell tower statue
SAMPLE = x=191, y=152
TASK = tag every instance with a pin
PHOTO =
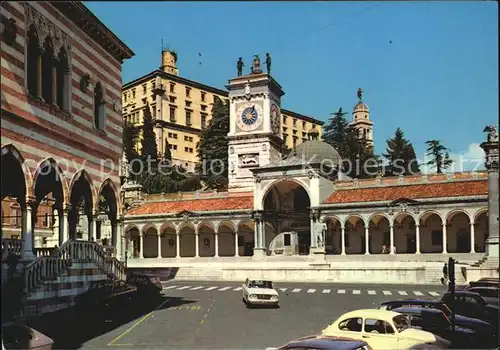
x=255, y=134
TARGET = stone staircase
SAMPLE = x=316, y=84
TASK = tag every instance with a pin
x=52, y=281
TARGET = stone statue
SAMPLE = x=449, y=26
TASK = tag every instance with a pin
x=319, y=231
x=492, y=133
x=268, y=63
x=239, y=66
x=256, y=65
x=360, y=94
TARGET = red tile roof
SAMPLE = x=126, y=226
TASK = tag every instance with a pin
x=207, y=204
x=390, y=193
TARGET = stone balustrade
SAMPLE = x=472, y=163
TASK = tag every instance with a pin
x=45, y=251
x=11, y=246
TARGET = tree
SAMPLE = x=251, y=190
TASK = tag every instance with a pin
x=130, y=135
x=212, y=148
x=167, y=154
x=361, y=160
x=335, y=132
x=439, y=154
x=401, y=155
x=149, y=148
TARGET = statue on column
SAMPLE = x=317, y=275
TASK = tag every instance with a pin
x=268, y=63
x=492, y=133
x=239, y=66
x=256, y=65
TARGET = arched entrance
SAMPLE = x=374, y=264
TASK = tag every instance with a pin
x=432, y=239
x=287, y=208
x=379, y=234
x=107, y=216
x=458, y=232
x=246, y=238
x=81, y=219
x=481, y=229
x=132, y=242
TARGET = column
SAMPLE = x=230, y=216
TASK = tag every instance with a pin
x=490, y=147
x=39, y=75
x=27, y=230
x=236, y=248
x=256, y=234
x=417, y=238
x=141, y=246
x=63, y=226
x=391, y=230
x=445, y=243
x=472, y=238
x=119, y=238
x=342, y=239
x=177, y=245
x=262, y=234
x=367, y=240
x=216, y=234
x=92, y=228
x=159, y=245
x=196, y=243
x=54, y=84
x=313, y=239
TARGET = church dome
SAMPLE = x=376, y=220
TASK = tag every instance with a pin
x=361, y=107
x=317, y=151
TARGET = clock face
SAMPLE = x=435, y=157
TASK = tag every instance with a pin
x=249, y=117
x=275, y=119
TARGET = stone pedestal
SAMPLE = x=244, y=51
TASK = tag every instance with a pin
x=317, y=254
x=259, y=253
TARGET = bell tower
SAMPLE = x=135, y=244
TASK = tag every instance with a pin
x=361, y=120
x=255, y=134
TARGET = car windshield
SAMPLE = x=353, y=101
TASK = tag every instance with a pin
x=261, y=284
x=401, y=322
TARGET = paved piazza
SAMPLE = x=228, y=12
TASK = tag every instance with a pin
x=208, y=315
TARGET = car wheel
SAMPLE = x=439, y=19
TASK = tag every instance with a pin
x=249, y=306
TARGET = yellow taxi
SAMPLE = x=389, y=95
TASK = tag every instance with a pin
x=383, y=329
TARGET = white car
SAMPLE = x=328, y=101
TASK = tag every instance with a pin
x=257, y=292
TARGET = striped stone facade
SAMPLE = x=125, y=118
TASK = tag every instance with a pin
x=61, y=111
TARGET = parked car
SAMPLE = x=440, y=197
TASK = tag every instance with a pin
x=105, y=294
x=472, y=305
x=257, y=292
x=147, y=284
x=435, y=321
x=486, y=282
x=478, y=325
x=20, y=336
x=324, y=342
x=383, y=329
x=489, y=294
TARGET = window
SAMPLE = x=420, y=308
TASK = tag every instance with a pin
x=294, y=122
x=203, y=96
x=378, y=326
x=186, y=138
x=175, y=136
x=285, y=137
x=203, y=121
x=190, y=150
x=203, y=108
x=133, y=93
x=287, y=240
x=294, y=141
x=172, y=87
x=153, y=111
x=351, y=325
x=98, y=107
x=124, y=97
x=303, y=125
x=63, y=81
x=188, y=103
x=188, y=118
x=188, y=92
x=144, y=89
x=185, y=149
x=46, y=220
x=47, y=64
x=153, y=85
x=284, y=119
x=190, y=138
x=175, y=147
x=172, y=114
x=437, y=237
x=34, y=74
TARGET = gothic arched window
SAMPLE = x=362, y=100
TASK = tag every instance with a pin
x=63, y=81
x=48, y=63
x=33, y=68
x=99, y=106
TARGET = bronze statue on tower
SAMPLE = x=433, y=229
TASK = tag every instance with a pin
x=239, y=66
x=360, y=94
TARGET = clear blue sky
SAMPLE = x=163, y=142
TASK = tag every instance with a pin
x=430, y=68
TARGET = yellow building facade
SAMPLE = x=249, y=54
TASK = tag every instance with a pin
x=182, y=109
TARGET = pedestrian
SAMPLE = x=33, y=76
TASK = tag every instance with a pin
x=444, y=279
x=384, y=249
x=394, y=249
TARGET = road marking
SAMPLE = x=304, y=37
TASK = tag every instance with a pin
x=418, y=293
x=402, y=292
x=211, y=288
x=170, y=287
x=237, y=289
x=326, y=291
x=196, y=288
x=372, y=292
x=341, y=291
x=311, y=291
x=356, y=291
x=434, y=294
x=296, y=290
x=120, y=344
x=223, y=289
x=185, y=287
x=387, y=292
x=283, y=289
x=144, y=318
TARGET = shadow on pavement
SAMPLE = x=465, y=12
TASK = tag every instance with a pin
x=71, y=328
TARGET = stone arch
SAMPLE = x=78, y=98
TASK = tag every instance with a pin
x=228, y=236
x=481, y=230
x=354, y=233
x=150, y=240
x=11, y=151
x=206, y=224
x=168, y=236
x=273, y=184
x=478, y=213
x=379, y=232
x=130, y=227
x=458, y=231
x=83, y=173
x=333, y=239
x=226, y=223
x=246, y=235
x=132, y=240
x=206, y=239
x=187, y=239
x=111, y=184
x=431, y=231
x=453, y=213
x=82, y=198
x=50, y=162
x=405, y=233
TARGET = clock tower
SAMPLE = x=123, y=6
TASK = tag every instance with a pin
x=255, y=133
